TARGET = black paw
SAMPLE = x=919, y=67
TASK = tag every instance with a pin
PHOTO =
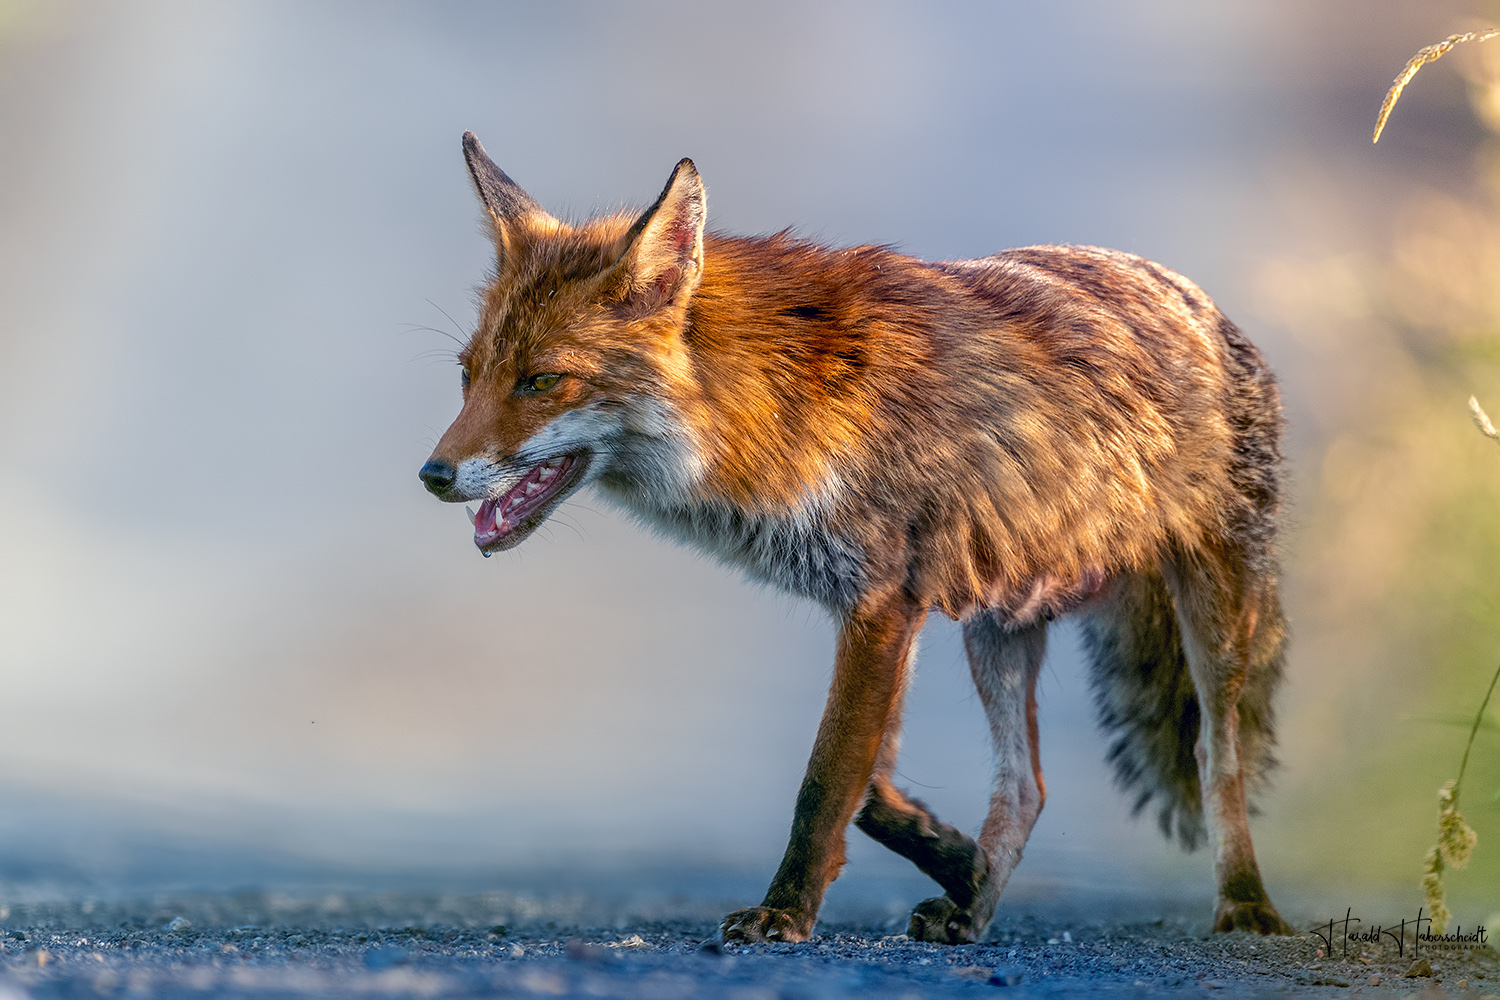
x=941, y=920
x=765, y=923
x=1261, y=918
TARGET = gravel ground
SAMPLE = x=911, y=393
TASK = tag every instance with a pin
x=508, y=944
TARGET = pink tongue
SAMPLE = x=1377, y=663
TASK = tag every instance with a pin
x=494, y=516
x=484, y=520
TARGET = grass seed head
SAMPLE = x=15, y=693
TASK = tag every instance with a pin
x=1431, y=53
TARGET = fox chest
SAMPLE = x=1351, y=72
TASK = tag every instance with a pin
x=800, y=556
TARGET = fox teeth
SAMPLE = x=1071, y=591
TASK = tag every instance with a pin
x=470, y=511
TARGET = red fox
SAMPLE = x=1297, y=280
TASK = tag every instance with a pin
x=1049, y=431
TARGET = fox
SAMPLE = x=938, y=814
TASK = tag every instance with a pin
x=1047, y=432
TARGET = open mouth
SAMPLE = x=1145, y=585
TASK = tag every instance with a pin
x=504, y=521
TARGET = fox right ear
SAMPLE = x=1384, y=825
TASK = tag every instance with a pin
x=663, y=251
x=503, y=198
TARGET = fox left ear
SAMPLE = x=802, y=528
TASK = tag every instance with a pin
x=664, y=249
x=505, y=200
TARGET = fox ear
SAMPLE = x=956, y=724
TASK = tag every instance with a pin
x=664, y=249
x=503, y=198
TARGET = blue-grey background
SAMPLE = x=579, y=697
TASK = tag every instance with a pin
x=238, y=642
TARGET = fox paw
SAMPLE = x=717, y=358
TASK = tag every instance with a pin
x=765, y=923
x=942, y=920
x=1261, y=918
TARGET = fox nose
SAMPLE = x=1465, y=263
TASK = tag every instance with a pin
x=439, y=476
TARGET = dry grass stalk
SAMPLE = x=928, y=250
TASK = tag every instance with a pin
x=1430, y=54
x=1456, y=838
x=1482, y=419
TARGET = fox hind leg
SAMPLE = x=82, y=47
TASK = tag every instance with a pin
x=1230, y=620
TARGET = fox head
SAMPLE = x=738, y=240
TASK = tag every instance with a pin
x=578, y=369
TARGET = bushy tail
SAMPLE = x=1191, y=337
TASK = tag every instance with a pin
x=1146, y=702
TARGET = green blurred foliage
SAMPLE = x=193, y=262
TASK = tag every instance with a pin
x=1395, y=554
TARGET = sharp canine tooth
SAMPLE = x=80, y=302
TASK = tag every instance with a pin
x=470, y=511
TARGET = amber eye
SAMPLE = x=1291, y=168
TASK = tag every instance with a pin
x=540, y=383
x=463, y=376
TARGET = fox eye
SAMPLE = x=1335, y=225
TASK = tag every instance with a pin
x=540, y=383
x=463, y=376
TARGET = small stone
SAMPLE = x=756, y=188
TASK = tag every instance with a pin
x=516, y=951
x=43, y=956
x=1008, y=977
x=1463, y=984
x=1374, y=980
x=1067, y=937
x=178, y=924
x=1421, y=967
x=633, y=941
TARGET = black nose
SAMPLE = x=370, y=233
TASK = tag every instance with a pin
x=438, y=476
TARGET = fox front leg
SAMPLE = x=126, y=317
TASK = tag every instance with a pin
x=873, y=649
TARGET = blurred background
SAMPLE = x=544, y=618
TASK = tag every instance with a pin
x=239, y=645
